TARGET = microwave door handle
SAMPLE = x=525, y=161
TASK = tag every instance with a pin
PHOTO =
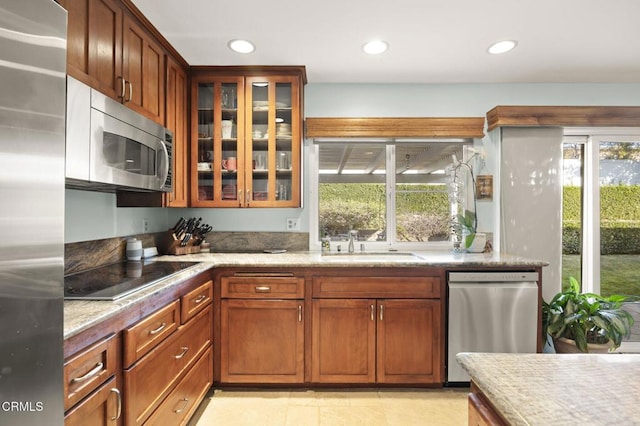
x=165, y=172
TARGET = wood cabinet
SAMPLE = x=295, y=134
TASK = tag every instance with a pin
x=94, y=44
x=92, y=388
x=111, y=51
x=246, y=136
x=154, y=366
x=368, y=339
x=481, y=411
x=176, y=121
x=262, y=329
x=150, y=380
x=143, y=71
x=343, y=341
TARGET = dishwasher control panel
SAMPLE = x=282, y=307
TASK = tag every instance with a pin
x=493, y=277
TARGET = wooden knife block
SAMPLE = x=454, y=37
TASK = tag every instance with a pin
x=168, y=244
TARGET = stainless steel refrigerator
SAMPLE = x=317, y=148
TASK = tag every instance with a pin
x=32, y=148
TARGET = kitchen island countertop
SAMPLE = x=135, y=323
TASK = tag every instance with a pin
x=559, y=389
x=82, y=314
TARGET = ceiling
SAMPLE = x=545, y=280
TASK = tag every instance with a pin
x=563, y=41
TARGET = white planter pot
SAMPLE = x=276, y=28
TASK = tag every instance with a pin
x=478, y=243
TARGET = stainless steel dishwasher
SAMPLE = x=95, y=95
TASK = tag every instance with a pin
x=490, y=312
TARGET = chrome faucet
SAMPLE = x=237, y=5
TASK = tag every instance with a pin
x=352, y=236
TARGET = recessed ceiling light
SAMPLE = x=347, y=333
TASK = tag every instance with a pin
x=375, y=47
x=241, y=46
x=502, y=47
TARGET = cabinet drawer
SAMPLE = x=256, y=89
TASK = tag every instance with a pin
x=196, y=300
x=262, y=287
x=151, y=379
x=103, y=407
x=180, y=405
x=148, y=333
x=376, y=287
x=87, y=370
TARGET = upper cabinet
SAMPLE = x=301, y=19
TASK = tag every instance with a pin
x=109, y=50
x=246, y=136
x=176, y=121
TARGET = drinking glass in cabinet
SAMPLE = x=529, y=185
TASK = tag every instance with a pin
x=229, y=99
x=283, y=162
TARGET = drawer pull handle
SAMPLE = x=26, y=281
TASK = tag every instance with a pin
x=90, y=374
x=159, y=329
x=185, y=349
x=299, y=313
x=263, y=289
x=119, y=400
x=180, y=410
x=200, y=299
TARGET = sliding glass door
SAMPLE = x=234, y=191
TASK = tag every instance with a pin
x=601, y=213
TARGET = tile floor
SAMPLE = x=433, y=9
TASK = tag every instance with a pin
x=388, y=407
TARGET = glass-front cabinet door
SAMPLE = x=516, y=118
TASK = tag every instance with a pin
x=246, y=141
x=272, y=126
x=217, y=179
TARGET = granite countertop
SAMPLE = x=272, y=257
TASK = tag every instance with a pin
x=368, y=259
x=80, y=315
x=559, y=389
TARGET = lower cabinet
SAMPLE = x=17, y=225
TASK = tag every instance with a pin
x=385, y=327
x=103, y=407
x=92, y=388
x=183, y=401
x=343, y=341
x=156, y=370
x=262, y=341
x=148, y=382
x=376, y=341
x=262, y=330
x=408, y=341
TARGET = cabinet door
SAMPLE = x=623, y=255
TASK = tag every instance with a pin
x=273, y=140
x=343, y=341
x=103, y=407
x=409, y=341
x=176, y=121
x=217, y=149
x=262, y=341
x=143, y=71
x=94, y=44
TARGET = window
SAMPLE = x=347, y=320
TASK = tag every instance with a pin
x=394, y=193
x=601, y=213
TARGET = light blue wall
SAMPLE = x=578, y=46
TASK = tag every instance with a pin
x=94, y=215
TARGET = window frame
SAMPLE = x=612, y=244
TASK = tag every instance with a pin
x=390, y=187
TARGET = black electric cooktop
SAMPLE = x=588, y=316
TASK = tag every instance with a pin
x=118, y=280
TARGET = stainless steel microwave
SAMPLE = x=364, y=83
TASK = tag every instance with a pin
x=110, y=146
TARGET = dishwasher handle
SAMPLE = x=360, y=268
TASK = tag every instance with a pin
x=493, y=277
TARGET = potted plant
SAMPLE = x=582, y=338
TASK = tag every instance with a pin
x=473, y=241
x=585, y=320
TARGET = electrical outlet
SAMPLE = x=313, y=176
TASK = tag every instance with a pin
x=145, y=225
x=293, y=224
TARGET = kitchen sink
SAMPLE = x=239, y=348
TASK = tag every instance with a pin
x=371, y=255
